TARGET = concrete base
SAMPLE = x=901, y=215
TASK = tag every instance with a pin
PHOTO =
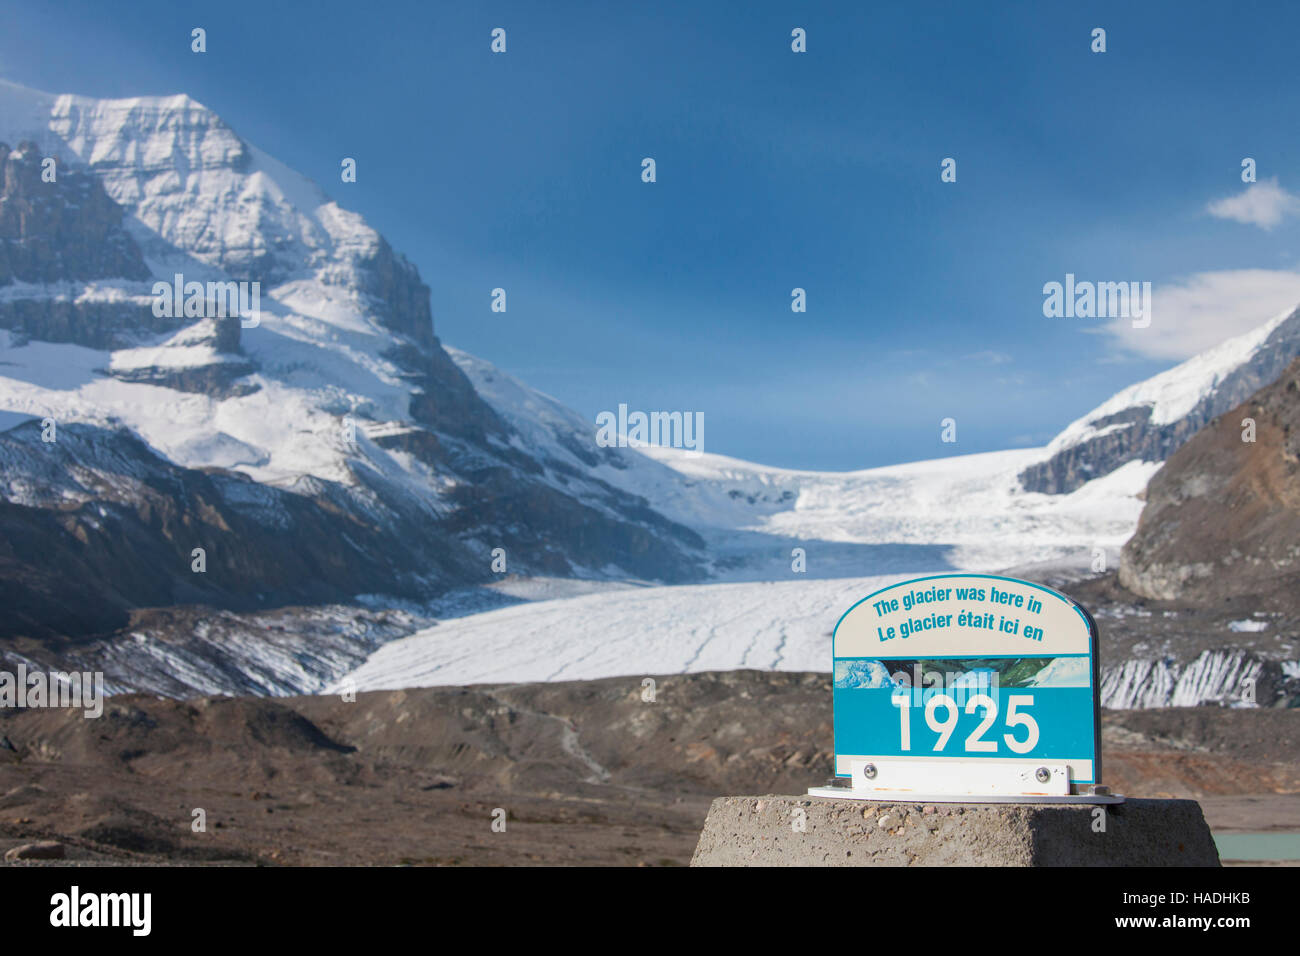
x=761, y=831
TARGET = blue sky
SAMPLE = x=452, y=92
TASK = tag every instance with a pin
x=775, y=170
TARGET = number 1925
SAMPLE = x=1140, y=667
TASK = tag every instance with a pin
x=975, y=742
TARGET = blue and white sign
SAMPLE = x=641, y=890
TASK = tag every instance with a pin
x=967, y=684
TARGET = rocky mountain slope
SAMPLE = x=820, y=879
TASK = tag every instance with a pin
x=1222, y=518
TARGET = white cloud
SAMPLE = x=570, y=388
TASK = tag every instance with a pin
x=1265, y=204
x=1197, y=313
x=990, y=357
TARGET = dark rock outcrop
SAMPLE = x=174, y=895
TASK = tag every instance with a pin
x=400, y=298
x=96, y=325
x=61, y=230
x=66, y=231
x=220, y=379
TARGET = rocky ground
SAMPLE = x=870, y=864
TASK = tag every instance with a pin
x=586, y=772
x=1222, y=516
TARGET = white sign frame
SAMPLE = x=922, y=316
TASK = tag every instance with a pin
x=916, y=778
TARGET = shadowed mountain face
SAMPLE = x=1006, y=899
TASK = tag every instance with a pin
x=65, y=231
x=1222, y=517
x=73, y=232
x=329, y=448
x=118, y=525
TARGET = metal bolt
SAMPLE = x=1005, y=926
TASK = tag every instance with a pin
x=1042, y=775
x=869, y=771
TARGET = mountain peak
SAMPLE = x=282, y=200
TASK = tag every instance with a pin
x=333, y=411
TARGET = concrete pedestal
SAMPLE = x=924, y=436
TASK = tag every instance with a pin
x=763, y=831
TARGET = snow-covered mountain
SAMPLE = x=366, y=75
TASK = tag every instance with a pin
x=967, y=511
x=322, y=448
x=1149, y=421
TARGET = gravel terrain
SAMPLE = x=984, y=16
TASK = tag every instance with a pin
x=587, y=772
